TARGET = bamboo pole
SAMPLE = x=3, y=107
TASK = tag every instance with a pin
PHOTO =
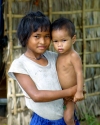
x=50, y=10
x=91, y=10
x=20, y=110
x=10, y=29
x=21, y=15
x=93, y=65
x=74, y=12
x=14, y=96
x=92, y=26
x=9, y=122
x=17, y=47
x=95, y=77
x=67, y=12
x=91, y=52
x=7, y=48
x=92, y=94
x=58, y=12
x=50, y=17
x=88, y=53
x=77, y=27
x=88, y=26
x=84, y=42
x=87, y=39
x=8, y=63
x=21, y=0
x=17, y=95
x=98, y=38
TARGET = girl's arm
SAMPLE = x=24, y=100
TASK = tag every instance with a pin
x=42, y=95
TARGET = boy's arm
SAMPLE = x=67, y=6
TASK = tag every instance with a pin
x=77, y=64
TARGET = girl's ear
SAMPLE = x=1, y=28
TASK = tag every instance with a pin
x=74, y=39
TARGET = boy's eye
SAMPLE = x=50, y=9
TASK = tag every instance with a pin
x=64, y=40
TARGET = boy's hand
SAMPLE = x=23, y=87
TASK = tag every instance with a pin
x=79, y=95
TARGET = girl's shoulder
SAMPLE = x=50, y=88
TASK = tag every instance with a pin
x=17, y=66
x=18, y=60
x=50, y=54
x=21, y=59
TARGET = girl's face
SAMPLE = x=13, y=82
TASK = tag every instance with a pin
x=62, y=41
x=38, y=42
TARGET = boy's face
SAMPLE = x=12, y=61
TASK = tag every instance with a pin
x=62, y=41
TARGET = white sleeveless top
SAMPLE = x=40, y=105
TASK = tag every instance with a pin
x=45, y=78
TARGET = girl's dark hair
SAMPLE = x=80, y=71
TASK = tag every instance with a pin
x=31, y=23
x=64, y=23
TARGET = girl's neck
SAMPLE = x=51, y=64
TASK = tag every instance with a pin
x=40, y=58
x=33, y=56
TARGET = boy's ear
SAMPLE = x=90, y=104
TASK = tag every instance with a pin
x=74, y=39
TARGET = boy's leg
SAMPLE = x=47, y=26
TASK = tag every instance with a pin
x=69, y=113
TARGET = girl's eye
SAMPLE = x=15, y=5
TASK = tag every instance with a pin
x=36, y=37
x=47, y=36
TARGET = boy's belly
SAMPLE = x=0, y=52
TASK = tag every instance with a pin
x=67, y=81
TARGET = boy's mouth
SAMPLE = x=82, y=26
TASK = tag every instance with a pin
x=60, y=49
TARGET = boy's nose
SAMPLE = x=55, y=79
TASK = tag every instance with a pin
x=59, y=44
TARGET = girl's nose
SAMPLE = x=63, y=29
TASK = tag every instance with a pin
x=42, y=40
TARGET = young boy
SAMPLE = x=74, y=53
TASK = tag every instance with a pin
x=69, y=65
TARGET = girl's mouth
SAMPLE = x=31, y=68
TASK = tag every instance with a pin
x=42, y=47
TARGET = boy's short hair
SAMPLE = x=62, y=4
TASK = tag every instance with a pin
x=63, y=23
x=31, y=23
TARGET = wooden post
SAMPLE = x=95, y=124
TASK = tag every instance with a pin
x=50, y=17
x=50, y=10
x=84, y=42
x=10, y=28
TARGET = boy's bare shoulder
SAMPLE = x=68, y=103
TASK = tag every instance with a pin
x=74, y=55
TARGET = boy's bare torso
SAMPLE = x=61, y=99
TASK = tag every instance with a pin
x=66, y=72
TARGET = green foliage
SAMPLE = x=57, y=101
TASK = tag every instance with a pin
x=91, y=120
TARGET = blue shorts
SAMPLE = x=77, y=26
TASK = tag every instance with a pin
x=37, y=120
